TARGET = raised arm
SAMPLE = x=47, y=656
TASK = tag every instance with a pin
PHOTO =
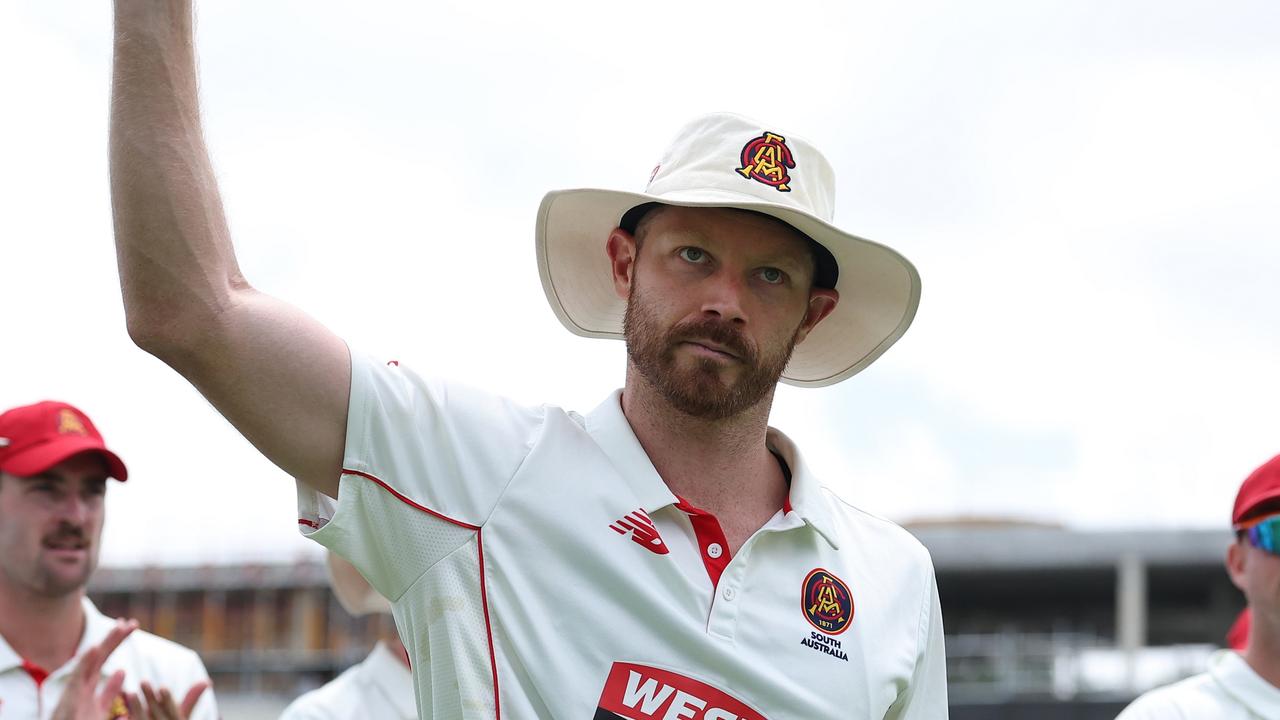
x=277, y=374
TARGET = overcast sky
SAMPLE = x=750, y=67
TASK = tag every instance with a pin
x=1088, y=188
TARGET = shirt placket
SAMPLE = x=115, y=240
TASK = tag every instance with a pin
x=727, y=573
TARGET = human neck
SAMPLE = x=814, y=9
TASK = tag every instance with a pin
x=722, y=466
x=43, y=630
x=1263, y=652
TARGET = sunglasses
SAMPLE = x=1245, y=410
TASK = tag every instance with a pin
x=1262, y=533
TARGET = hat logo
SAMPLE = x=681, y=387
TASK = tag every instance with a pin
x=766, y=159
x=69, y=424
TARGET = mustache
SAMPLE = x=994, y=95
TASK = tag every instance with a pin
x=718, y=332
x=66, y=532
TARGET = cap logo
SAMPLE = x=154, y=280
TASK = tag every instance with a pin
x=69, y=424
x=827, y=602
x=766, y=159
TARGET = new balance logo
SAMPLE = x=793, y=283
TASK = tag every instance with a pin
x=642, y=531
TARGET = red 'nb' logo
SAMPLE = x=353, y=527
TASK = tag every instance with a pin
x=642, y=531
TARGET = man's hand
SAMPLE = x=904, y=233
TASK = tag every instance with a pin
x=81, y=701
x=159, y=704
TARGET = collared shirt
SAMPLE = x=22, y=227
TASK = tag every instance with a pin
x=1229, y=690
x=31, y=693
x=539, y=567
x=379, y=687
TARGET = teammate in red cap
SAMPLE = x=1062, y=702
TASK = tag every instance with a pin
x=1243, y=681
x=54, y=468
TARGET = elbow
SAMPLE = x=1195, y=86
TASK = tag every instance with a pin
x=156, y=337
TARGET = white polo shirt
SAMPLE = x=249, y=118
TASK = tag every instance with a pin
x=379, y=687
x=1230, y=690
x=30, y=693
x=540, y=568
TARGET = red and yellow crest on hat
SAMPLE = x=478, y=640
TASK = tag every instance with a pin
x=767, y=159
x=69, y=424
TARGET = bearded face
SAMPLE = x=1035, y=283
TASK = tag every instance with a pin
x=702, y=387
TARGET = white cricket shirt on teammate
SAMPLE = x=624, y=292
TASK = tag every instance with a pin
x=378, y=687
x=1230, y=690
x=540, y=568
x=28, y=692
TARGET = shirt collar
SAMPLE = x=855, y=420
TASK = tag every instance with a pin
x=608, y=426
x=383, y=670
x=611, y=431
x=8, y=656
x=1238, y=680
x=96, y=627
x=806, y=498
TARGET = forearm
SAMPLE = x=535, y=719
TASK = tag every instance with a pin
x=175, y=255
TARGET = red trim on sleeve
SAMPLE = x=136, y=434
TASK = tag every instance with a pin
x=708, y=531
x=488, y=628
x=36, y=672
x=484, y=595
x=409, y=502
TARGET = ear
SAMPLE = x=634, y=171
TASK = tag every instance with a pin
x=821, y=302
x=622, y=260
x=1236, y=559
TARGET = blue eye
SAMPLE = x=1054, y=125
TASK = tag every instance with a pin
x=773, y=276
x=692, y=254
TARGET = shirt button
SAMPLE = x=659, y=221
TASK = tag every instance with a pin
x=714, y=551
x=729, y=594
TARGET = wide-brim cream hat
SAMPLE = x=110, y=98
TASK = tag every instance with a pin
x=725, y=160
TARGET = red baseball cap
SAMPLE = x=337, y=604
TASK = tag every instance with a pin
x=1258, y=488
x=34, y=438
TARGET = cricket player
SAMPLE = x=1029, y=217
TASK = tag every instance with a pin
x=380, y=686
x=667, y=555
x=1243, y=681
x=54, y=468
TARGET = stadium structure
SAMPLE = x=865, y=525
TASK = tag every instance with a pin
x=1041, y=622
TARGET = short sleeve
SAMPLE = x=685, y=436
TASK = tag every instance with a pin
x=926, y=696
x=425, y=464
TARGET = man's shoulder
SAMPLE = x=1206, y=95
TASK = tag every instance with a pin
x=1195, y=697
x=338, y=699
x=862, y=525
x=151, y=657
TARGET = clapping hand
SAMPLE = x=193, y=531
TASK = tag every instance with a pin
x=83, y=701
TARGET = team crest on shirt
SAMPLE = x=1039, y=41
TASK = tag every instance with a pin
x=826, y=602
x=766, y=159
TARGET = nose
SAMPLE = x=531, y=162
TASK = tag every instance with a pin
x=723, y=297
x=74, y=509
